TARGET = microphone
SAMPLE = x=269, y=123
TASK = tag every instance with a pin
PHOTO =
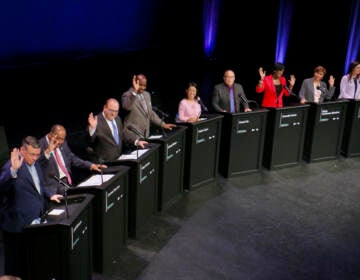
x=320, y=88
x=66, y=187
x=60, y=181
x=243, y=98
x=157, y=110
x=202, y=105
x=289, y=91
x=101, y=161
x=134, y=130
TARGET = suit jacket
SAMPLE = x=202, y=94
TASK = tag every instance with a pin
x=22, y=202
x=221, y=100
x=137, y=117
x=50, y=167
x=307, y=91
x=103, y=143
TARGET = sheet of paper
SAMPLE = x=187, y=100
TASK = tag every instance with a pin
x=133, y=154
x=56, y=212
x=155, y=136
x=96, y=180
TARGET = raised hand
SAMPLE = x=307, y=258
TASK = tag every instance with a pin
x=92, y=120
x=292, y=80
x=262, y=73
x=135, y=83
x=16, y=159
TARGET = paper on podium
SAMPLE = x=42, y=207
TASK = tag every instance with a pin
x=155, y=136
x=56, y=212
x=95, y=180
x=133, y=154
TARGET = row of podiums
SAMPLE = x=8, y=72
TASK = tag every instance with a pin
x=87, y=232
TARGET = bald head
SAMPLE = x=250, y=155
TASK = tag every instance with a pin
x=111, y=108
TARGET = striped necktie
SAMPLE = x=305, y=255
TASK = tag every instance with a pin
x=62, y=166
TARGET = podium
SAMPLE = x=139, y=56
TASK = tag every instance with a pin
x=110, y=214
x=284, y=140
x=351, y=138
x=143, y=185
x=61, y=248
x=242, y=142
x=4, y=148
x=202, y=150
x=171, y=165
x=324, y=130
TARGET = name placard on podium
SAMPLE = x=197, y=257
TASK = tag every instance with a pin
x=325, y=130
x=61, y=247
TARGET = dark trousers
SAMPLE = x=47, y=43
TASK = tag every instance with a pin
x=15, y=254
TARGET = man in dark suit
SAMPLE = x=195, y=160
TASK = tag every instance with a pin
x=228, y=96
x=137, y=102
x=57, y=159
x=106, y=132
x=22, y=185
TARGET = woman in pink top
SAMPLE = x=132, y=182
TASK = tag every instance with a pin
x=189, y=108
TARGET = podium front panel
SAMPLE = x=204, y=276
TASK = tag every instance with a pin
x=202, y=151
x=285, y=133
x=61, y=247
x=350, y=143
x=110, y=215
x=143, y=187
x=171, y=165
x=242, y=141
x=325, y=131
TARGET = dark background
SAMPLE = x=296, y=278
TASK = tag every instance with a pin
x=60, y=61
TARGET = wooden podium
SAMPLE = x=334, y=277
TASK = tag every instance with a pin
x=110, y=214
x=284, y=140
x=325, y=130
x=171, y=165
x=202, y=150
x=350, y=143
x=143, y=185
x=242, y=142
x=61, y=248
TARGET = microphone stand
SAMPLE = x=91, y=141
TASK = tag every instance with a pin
x=66, y=187
x=101, y=161
x=163, y=116
x=138, y=133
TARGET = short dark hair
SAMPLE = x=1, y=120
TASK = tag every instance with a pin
x=278, y=66
x=31, y=141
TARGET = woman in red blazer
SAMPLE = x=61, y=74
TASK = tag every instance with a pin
x=274, y=86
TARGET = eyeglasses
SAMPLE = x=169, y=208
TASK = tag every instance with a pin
x=113, y=111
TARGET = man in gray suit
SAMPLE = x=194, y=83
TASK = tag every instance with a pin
x=228, y=96
x=137, y=102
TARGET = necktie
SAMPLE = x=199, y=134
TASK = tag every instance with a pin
x=143, y=102
x=35, y=177
x=232, y=103
x=62, y=166
x=115, y=131
x=355, y=81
